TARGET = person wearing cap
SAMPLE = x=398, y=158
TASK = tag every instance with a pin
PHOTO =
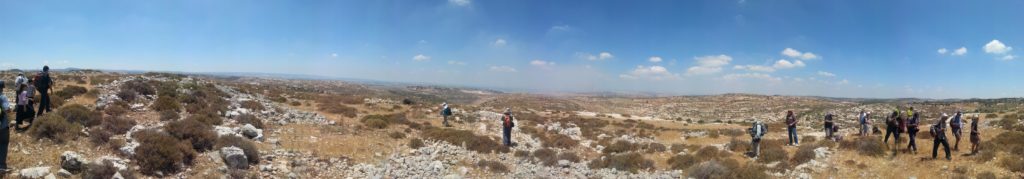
x=912, y=128
x=865, y=123
x=44, y=84
x=5, y=132
x=445, y=113
x=18, y=83
x=938, y=131
x=507, y=124
x=956, y=126
x=890, y=127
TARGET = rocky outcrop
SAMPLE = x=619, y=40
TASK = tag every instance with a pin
x=234, y=157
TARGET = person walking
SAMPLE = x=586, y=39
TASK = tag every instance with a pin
x=975, y=135
x=18, y=83
x=27, y=100
x=890, y=126
x=901, y=127
x=912, y=129
x=445, y=113
x=938, y=132
x=828, y=125
x=791, y=126
x=865, y=123
x=756, y=133
x=5, y=132
x=955, y=126
x=507, y=124
x=44, y=84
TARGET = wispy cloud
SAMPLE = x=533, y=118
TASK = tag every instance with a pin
x=654, y=59
x=708, y=64
x=421, y=58
x=793, y=53
x=542, y=63
x=500, y=42
x=506, y=69
x=826, y=74
x=460, y=2
x=650, y=73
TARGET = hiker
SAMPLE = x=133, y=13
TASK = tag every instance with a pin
x=791, y=126
x=507, y=124
x=955, y=124
x=445, y=113
x=828, y=125
x=44, y=85
x=890, y=126
x=865, y=123
x=5, y=132
x=975, y=135
x=18, y=83
x=912, y=130
x=938, y=132
x=24, y=110
x=756, y=132
x=901, y=127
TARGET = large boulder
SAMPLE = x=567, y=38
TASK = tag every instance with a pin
x=35, y=172
x=72, y=162
x=234, y=157
x=251, y=131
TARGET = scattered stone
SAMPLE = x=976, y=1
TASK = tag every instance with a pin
x=251, y=132
x=71, y=162
x=35, y=172
x=234, y=157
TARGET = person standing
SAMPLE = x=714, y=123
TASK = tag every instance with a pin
x=5, y=132
x=865, y=123
x=890, y=126
x=912, y=130
x=975, y=135
x=791, y=126
x=828, y=125
x=507, y=125
x=938, y=132
x=756, y=133
x=955, y=125
x=28, y=98
x=18, y=83
x=44, y=84
x=445, y=113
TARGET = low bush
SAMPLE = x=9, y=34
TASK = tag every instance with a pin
x=736, y=145
x=117, y=125
x=70, y=91
x=750, y=171
x=709, y=169
x=247, y=146
x=558, y=141
x=127, y=95
x=655, y=147
x=159, y=152
x=339, y=109
x=252, y=105
x=199, y=135
x=206, y=118
x=396, y=135
x=568, y=156
x=104, y=170
x=867, y=146
x=804, y=154
x=465, y=138
x=1012, y=163
x=620, y=146
x=521, y=154
x=492, y=166
x=383, y=121
x=677, y=148
x=415, y=143
x=115, y=110
x=54, y=127
x=250, y=119
x=681, y=162
x=631, y=162
x=169, y=115
x=808, y=139
x=546, y=156
x=77, y=113
x=166, y=103
x=986, y=175
x=772, y=154
x=709, y=153
x=139, y=86
x=376, y=123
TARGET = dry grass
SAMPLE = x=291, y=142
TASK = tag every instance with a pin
x=492, y=166
x=160, y=152
x=620, y=146
x=54, y=127
x=77, y=113
x=632, y=162
x=415, y=143
x=465, y=138
x=558, y=141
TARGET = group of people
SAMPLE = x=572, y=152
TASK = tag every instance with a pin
x=24, y=99
x=897, y=123
x=507, y=122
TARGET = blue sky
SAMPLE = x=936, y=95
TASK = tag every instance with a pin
x=931, y=49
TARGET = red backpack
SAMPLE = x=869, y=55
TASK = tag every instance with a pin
x=508, y=121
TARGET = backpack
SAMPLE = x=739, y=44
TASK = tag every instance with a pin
x=955, y=122
x=757, y=130
x=446, y=112
x=508, y=121
x=42, y=81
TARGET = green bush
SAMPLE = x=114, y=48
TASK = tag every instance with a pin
x=77, y=113
x=631, y=162
x=161, y=153
x=54, y=127
x=199, y=135
x=465, y=138
x=247, y=146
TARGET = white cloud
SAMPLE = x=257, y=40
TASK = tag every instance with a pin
x=843, y=82
x=605, y=56
x=652, y=73
x=960, y=51
x=709, y=64
x=420, y=58
x=453, y=62
x=561, y=28
x=737, y=76
x=460, y=2
x=654, y=59
x=542, y=63
x=759, y=68
x=785, y=64
x=1008, y=57
x=997, y=47
x=502, y=69
x=793, y=53
x=943, y=51
x=500, y=42
x=826, y=74
x=334, y=55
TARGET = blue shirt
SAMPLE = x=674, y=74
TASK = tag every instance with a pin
x=5, y=105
